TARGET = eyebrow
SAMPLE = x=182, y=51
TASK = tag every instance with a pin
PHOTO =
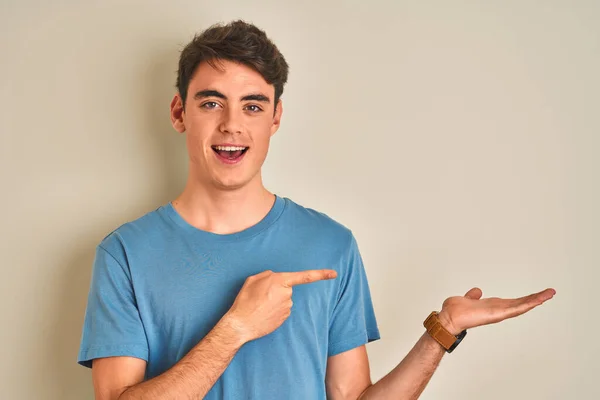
x=215, y=93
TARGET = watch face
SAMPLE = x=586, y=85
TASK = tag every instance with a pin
x=459, y=339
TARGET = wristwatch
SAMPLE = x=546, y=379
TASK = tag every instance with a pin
x=441, y=335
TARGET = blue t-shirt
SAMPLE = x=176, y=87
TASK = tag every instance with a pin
x=159, y=285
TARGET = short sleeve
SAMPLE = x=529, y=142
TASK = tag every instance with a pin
x=112, y=324
x=353, y=322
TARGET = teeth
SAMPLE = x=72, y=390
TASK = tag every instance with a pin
x=229, y=148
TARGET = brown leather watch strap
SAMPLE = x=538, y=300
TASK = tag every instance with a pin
x=438, y=332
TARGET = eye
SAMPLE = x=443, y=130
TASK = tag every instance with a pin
x=209, y=105
x=253, y=108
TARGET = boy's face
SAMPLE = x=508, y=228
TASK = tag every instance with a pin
x=233, y=107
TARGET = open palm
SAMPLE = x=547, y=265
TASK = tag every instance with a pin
x=470, y=310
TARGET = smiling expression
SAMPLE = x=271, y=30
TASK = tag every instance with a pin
x=229, y=119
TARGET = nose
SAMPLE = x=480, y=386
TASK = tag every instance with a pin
x=231, y=122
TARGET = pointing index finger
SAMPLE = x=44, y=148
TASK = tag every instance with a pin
x=302, y=277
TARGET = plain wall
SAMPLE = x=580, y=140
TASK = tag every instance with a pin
x=458, y=140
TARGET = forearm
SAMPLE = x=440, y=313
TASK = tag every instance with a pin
x=408, y=380
x=195, y=374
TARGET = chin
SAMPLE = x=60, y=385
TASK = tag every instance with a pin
x=230, y=184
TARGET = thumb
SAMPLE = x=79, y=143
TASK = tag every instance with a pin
x=474, y=294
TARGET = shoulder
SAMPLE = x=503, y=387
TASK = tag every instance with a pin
x=132, y=233
x=318, y=224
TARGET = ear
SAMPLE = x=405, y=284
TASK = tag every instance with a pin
x=277, y=117
x=177, y=114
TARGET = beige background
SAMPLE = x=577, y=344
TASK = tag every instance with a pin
x=458, y=140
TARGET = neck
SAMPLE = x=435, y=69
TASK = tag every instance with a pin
x=224, y=211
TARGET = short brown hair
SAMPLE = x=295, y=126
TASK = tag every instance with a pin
x=237, y=41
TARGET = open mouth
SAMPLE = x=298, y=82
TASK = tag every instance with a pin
x=230, y=153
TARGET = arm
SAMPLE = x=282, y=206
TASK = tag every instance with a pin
x=411, y=376
x=261, y=306
x=348, y=374
x=408, y=380
x=192, y=377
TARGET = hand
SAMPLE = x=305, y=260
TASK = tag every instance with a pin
x=463, y=312
x=265, y=300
